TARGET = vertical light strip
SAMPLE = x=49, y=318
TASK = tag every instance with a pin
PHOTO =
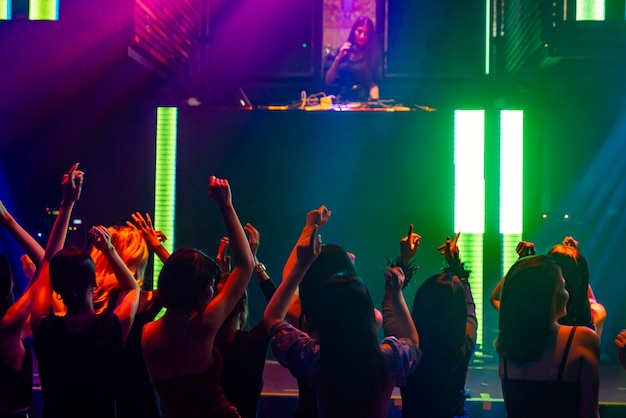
x=43, y=9
x=165, y=178
x=511, y=184
x=487, y=36
x=469, y=198
x=590, y=10
x=5, y=9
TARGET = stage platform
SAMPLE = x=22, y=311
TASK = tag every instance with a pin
x=280, y=393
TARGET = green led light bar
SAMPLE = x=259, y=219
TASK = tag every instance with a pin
x=487, y=35
x=5, y=9
x=165, y=178
x=511, y=185
x=469, y=198
x=590, y=10
x=511, y=170
x=43, y=9
x=469, y=171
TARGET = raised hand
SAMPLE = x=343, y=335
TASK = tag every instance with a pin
x=219, y=190
x=221, y=258
x=254, y=238
x=450, y=250
x=72, y=184
x=524, y=249
x=153, y=238
x=409, y=245
x=570, y=241
x=318, y=217
x=101, y=238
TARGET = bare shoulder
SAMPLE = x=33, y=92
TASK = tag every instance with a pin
x=586, y=336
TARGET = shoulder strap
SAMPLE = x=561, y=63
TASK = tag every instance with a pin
x=566, y=352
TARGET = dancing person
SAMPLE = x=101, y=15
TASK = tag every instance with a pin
x=582, y=308
x=352, y=373
x=357, y=67
x=244, y=351
x=16, y=362
x=547, y=369
x=79, y=354
x=178, y=348
x=444, y=316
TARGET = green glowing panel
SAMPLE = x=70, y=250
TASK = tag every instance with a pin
x=508, y=243
x=590, y=10
x=165, y=178
x=487, y=36
x=469, y=171
x=5, y=9
x=511, y=171
x=471, y=248
x=43, y=9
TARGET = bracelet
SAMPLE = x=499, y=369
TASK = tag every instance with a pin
x=259, y=268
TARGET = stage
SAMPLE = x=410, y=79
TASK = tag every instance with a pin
x=280, y=393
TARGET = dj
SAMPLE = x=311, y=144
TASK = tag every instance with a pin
x=357, y=68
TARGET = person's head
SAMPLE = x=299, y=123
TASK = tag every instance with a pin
x=132, y=249
x=362, y=33
x=576, y=273
x=6, y=285
x=72, y=275
x=332, y=260
x=440, y=314
x=533, y=298
x=186, y=280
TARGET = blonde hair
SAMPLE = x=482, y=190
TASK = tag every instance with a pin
x=132, y=248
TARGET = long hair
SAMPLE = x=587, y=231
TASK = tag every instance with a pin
x=72, y=272
x=364, y=21
x=352, y=368
x=333, y=260
x=527, y=308
x=372, y=47
x=185, y=277
x=6, y=285
x=440, y=314
x=576, y=274
x=133, y=250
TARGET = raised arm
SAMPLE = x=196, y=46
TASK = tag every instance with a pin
x=26, y=241
x=154, y=239
x=403, y=323
x=408, y=248
x=223, y=303
x=306, y=250
x=71, y=187
x=260, y=273
x=127, y=308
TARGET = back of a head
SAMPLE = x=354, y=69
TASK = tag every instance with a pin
x=440, y=315
x=72, y=272
x=527, y=307
x=351, y=363
x=132, y=249
x=576, y=273
x=185, y=277
x=6, y=285
x=332, y=260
